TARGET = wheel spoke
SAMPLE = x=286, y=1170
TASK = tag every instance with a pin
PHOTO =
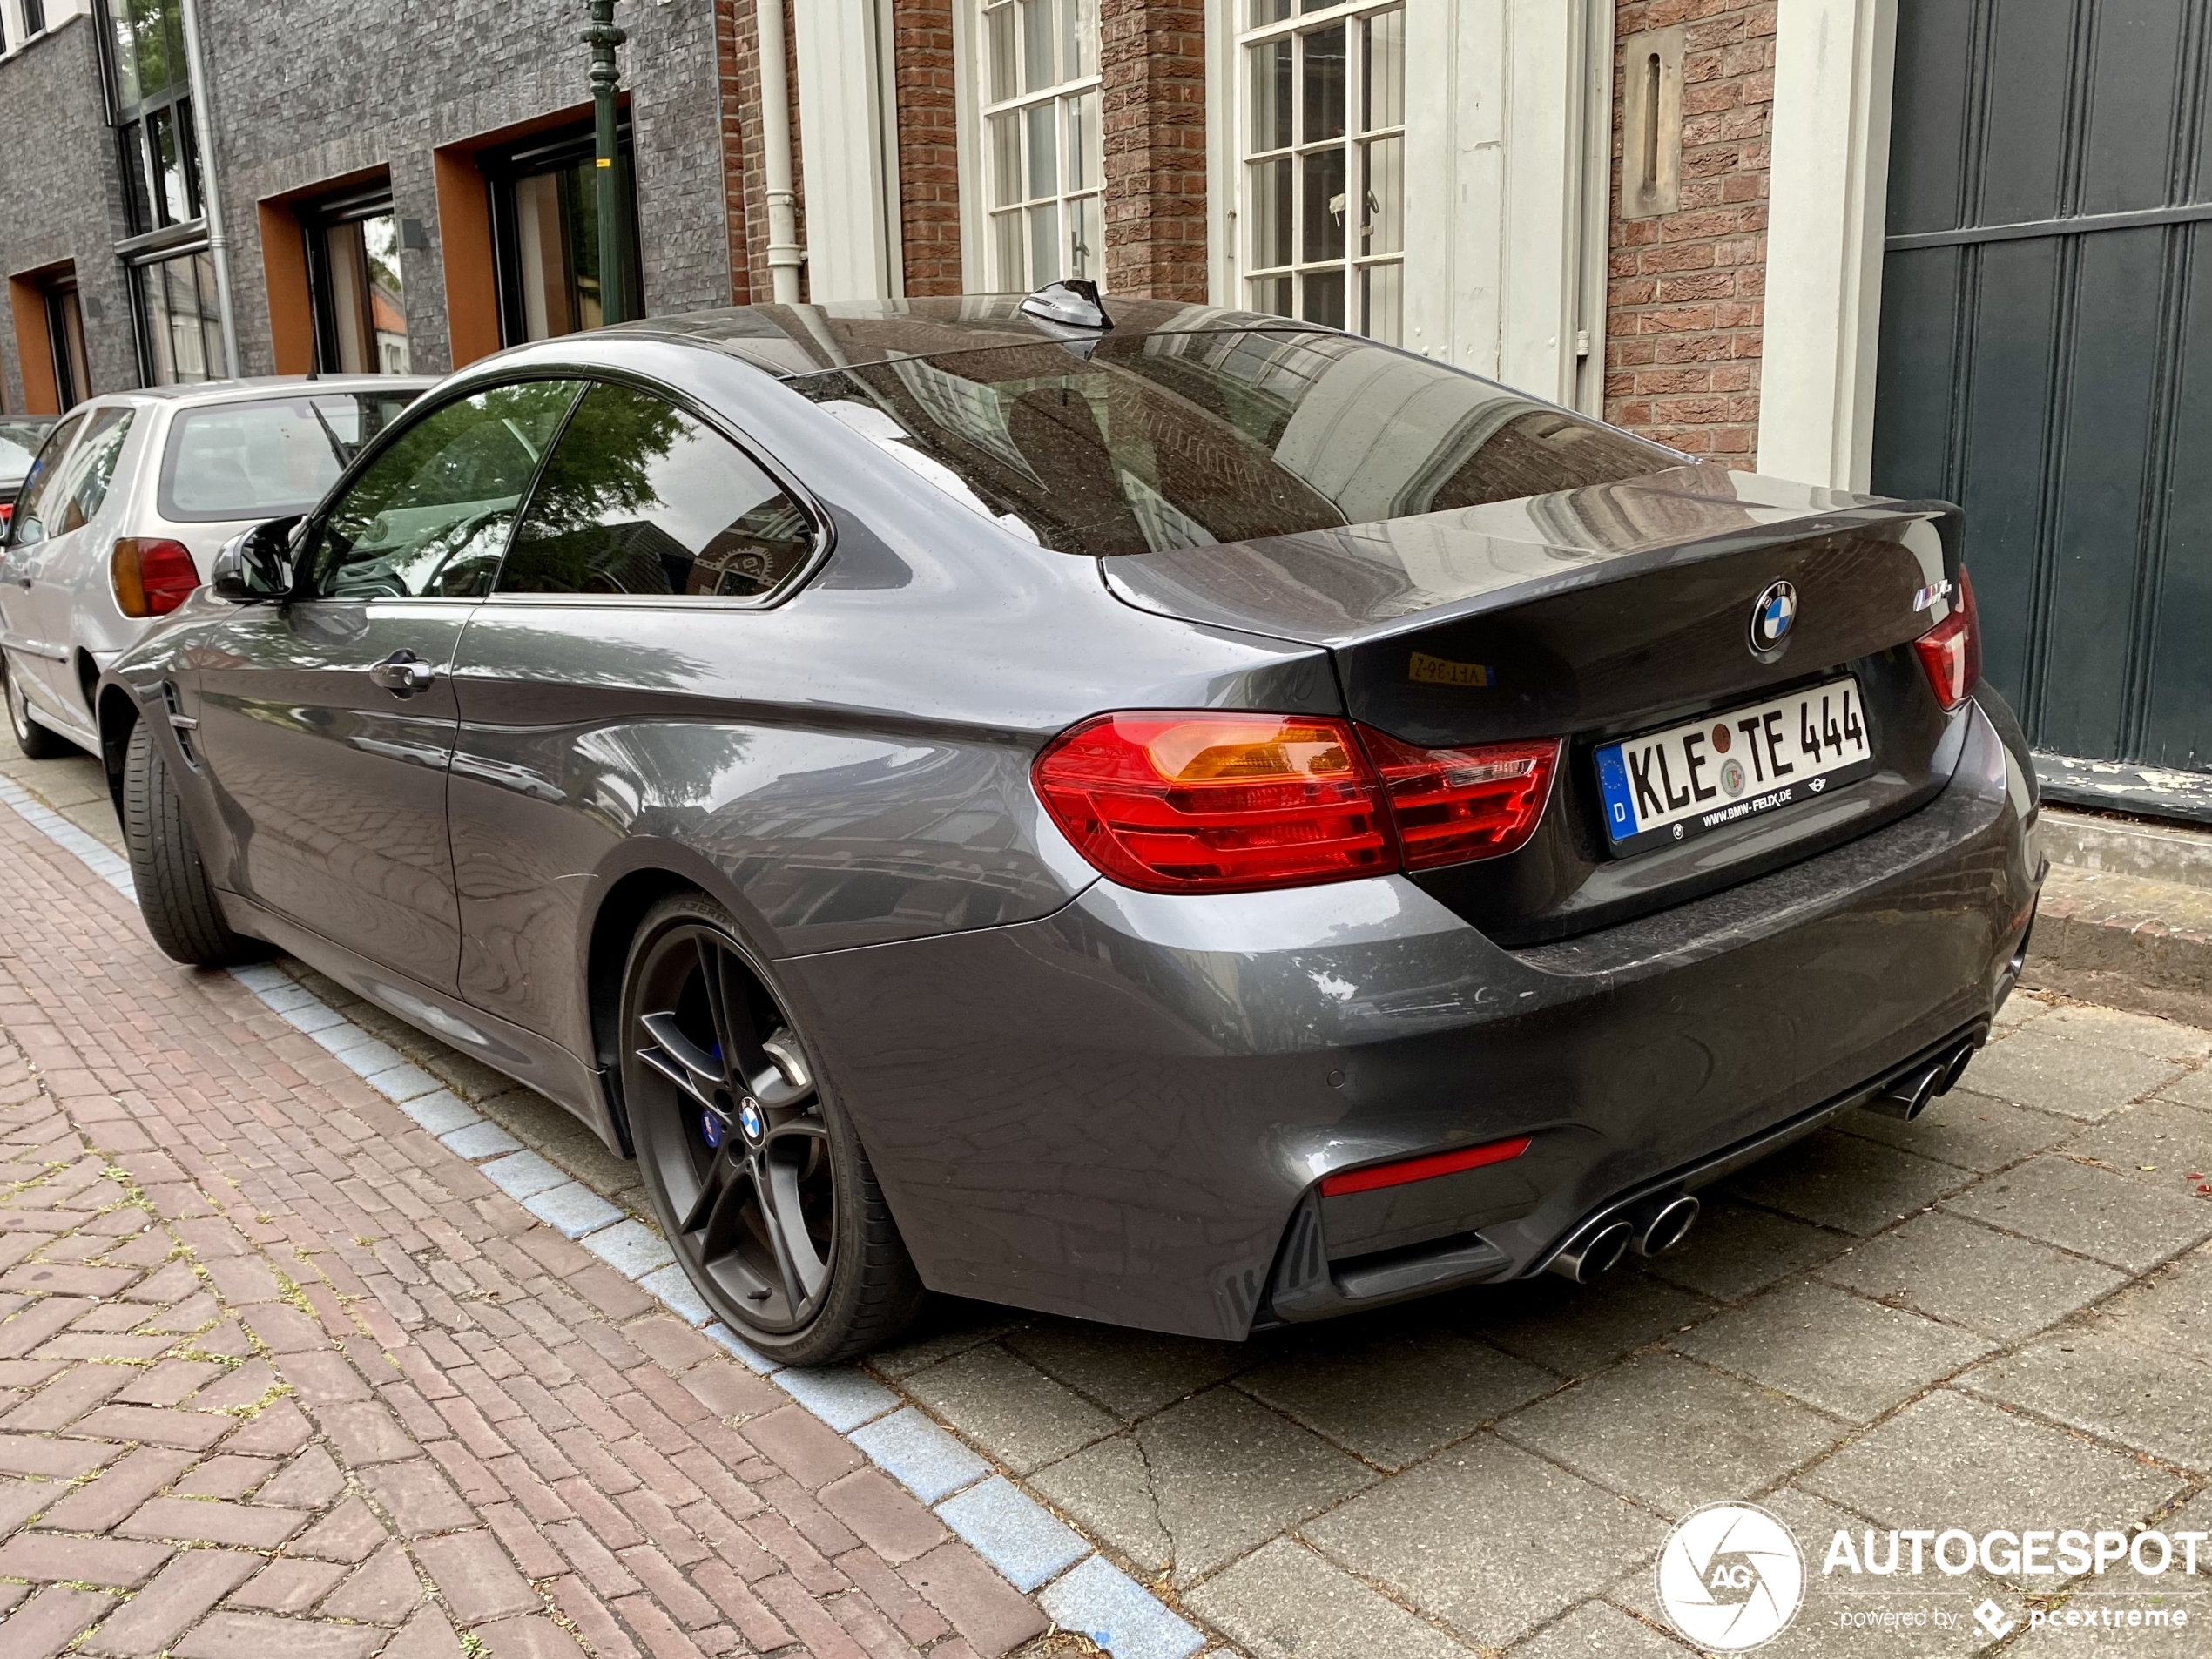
x=680, y=1060
x=800, y=1128
x=714, y=1191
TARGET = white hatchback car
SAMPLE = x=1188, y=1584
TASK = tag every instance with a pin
x=128, y=503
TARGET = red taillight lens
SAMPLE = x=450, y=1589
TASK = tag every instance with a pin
x=1216, y=802
x=1452, y=806
x=1424, y=1169
x=1212, y=801
x=1950, y=651
x=151, y=578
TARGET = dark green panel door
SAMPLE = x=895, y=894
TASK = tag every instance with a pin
x=2046, y=361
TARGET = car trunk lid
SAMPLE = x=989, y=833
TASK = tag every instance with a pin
x=1594, y=615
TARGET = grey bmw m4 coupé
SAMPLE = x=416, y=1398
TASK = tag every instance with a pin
x=1182, y=818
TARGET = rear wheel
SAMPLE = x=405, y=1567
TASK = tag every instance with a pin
x=174, y=893
x=34, y=739
x=760, y=1184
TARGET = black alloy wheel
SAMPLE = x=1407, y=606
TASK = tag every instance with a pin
x=759, y=1182
x=34, y=739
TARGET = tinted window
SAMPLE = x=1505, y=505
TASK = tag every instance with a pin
x=639, y=498
x=429, y=516
x=27, y=524
x=1171, y=441
x=80, y=489
x=269, y=457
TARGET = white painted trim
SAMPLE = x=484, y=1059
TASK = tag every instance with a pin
x=967, y=128
x=1508, y=167
x=848, y=140
x=1828, y=197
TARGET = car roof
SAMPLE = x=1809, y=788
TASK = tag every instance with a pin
x=791, y=341
x=204, y=392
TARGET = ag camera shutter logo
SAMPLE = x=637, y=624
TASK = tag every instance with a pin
x=1731, y=1577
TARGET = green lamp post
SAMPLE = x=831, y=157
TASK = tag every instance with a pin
x=602, y=38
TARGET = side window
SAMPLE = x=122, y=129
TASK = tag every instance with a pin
x=430, y=516
x=29, y=523
x=81, y=489
x=639, y=498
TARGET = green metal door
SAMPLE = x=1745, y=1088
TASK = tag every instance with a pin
x=2046, y=361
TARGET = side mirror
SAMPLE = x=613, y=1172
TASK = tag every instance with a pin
x=255, y=566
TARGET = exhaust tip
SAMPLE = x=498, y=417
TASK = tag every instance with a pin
x=1589, y=1259
x=1668, y=1226
x=1955, y=1067
x=1909, y=1095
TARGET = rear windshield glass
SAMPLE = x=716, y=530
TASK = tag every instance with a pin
x=1175, y=441
x=270, y=456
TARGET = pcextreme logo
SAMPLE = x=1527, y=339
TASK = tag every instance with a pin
x=1731, y=1577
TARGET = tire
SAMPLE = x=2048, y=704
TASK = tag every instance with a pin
x=34, y=739
x=174, y=895
x=759, y=1183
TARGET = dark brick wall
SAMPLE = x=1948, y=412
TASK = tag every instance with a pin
x=59, y=198
x=1686, y=312
x=315, y=90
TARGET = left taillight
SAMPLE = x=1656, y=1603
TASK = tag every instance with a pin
x=150, y=577
x=1212, y=801
x=1950, y=651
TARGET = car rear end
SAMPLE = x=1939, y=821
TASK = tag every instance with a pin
x=1661, y=817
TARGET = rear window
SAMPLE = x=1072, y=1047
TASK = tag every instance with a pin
x=1176, y=440
x=270, y=456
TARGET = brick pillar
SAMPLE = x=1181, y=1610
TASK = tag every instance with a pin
x=921, y=35
x=744, y=167
x=1152, y=67
x=1685, y=306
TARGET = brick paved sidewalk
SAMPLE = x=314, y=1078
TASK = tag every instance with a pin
x=280, y=1374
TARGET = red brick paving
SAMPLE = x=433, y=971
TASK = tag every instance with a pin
x=281, y=1373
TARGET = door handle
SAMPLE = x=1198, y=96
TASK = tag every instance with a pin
x=404, y=673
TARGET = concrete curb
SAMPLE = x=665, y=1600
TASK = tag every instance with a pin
x=2126, y=942
x=1036, y=1552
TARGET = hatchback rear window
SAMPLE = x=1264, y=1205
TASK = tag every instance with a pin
x=1183, y=440
x=269, y=456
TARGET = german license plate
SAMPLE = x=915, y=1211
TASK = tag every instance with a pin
x=1705, y=774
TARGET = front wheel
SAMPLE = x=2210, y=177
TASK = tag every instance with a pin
x=175, y=896
x=34, y=739
x=759, y=1183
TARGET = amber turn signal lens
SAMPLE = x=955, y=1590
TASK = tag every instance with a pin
x=150, y=577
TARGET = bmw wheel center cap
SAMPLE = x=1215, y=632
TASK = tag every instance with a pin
x=752, y=1121
x=1773, y=614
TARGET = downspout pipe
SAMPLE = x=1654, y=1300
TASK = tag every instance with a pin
x=786, y=256
x=211, y=186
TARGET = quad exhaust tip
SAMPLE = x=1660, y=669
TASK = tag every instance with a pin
x=1589, y=1259
x=1667, y=1226
x=1910, y=1094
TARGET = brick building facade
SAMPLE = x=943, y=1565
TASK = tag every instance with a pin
x=1488, y=225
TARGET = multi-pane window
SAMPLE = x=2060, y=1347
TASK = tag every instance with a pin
x=184, y=327
x=1324, y=122
x=1042, y=154
x=154, y=110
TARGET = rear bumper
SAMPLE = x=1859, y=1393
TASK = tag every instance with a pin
x=1117, y=1112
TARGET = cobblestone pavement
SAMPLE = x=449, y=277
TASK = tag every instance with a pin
x=2000, y=1316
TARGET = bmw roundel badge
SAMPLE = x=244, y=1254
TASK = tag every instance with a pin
x=1773, y=614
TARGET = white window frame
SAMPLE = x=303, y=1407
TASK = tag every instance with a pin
x=1508, y=170
x=1348, y=15
x=971, y=75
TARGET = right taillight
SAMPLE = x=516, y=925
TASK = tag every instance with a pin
x=1213, y=801
x=1950, y=651
x=150, y=577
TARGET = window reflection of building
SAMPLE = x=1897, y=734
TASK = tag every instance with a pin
x=545, y=234
x=356, y=287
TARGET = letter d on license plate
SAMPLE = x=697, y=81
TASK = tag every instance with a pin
x=1705, y=774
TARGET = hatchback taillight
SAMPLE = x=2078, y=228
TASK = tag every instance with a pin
x=1950, y=651
x=150, y=577
x=1212, y=801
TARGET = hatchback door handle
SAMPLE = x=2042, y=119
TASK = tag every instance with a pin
x=403, y=672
